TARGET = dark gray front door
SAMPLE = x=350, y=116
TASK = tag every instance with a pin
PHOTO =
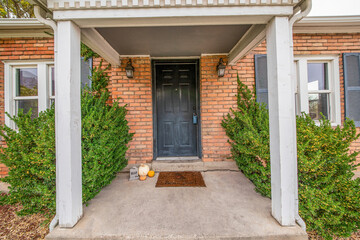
x=175, y=107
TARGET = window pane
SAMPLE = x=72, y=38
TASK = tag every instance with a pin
x=26, y=82
x=26, y=105
x=317, y=76
x=319, y=103
x=52, y=80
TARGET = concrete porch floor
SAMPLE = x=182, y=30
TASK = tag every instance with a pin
x=228, y=208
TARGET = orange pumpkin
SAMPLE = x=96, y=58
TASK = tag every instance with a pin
x=151, y=173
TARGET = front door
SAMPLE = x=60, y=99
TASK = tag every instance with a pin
x=175, y=107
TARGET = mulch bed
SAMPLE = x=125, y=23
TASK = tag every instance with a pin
x=314, y=236
x=180, y=179
x=21, y=227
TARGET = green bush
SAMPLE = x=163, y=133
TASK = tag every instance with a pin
x=328, y=196
x=30, y=152
x=248, y=128
x=105, y=135
x=30, y=157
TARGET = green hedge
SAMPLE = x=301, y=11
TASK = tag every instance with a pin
x=329, y=197
x=30, y=151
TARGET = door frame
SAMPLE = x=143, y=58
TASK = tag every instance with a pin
x=155, y=63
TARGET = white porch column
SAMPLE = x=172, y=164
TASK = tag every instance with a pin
x=282, y=120
x=68, y=125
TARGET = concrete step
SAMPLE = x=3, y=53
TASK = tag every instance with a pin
x=185, y=237
x=181, y=165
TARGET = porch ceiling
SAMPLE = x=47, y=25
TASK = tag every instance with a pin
x=173, y=41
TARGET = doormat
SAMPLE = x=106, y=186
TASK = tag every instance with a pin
x=180, y=179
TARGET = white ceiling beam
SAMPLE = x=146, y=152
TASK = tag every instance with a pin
x=252, y=38
x=93, y=39
x=173, y=12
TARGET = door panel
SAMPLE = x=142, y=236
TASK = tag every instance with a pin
x=176, y=104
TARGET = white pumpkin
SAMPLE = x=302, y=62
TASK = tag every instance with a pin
x=143, y=170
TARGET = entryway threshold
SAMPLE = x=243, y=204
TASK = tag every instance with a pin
x=191, y=158
x=178, y=166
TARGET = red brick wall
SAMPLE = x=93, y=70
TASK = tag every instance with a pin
x=137, y=94
x=20, y=49
x=306, y=44
x=330, y=44
x=217, y=95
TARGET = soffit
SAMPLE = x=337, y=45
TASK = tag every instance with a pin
x=173, y=41
x=29, y=27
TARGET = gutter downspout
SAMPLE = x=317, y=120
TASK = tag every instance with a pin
x=38, y=14
x=304, y=9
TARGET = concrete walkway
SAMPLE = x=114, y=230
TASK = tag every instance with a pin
x=228, y=208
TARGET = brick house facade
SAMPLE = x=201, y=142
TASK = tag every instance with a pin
x=20, y=49
x=217, y=95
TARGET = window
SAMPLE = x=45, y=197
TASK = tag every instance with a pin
x=352, y=86
x=26, y=89
x=317, y=88
x=52, y=84
x=31, y=85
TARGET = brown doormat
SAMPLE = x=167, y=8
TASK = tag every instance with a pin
x=180, y=179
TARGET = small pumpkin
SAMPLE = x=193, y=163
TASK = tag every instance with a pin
x=151, y=173
x=143, y=170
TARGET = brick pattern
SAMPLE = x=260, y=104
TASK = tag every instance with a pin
x=217, y=95
x=330, y=44
x=137, y=94
x=310, y=44
x=20, y=49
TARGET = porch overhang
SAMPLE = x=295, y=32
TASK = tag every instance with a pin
x=114, y=28
x=107, y=26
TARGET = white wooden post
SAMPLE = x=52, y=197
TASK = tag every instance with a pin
x=282, y=121
x=68, y=125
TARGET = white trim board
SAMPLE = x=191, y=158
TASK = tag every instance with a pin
x=81, y=4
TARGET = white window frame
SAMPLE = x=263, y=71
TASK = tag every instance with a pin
x=51, y=97
x=9, y=88
x=301, y=63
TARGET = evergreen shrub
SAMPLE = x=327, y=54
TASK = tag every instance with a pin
x=30, y=151
x=329, y=199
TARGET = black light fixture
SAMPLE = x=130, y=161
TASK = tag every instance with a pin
x=129, y=69
x=221, y=68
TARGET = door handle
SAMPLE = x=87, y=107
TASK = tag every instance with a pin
x=195, y=119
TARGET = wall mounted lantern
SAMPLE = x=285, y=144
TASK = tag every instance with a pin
x=221, y=68
x=129, y=69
